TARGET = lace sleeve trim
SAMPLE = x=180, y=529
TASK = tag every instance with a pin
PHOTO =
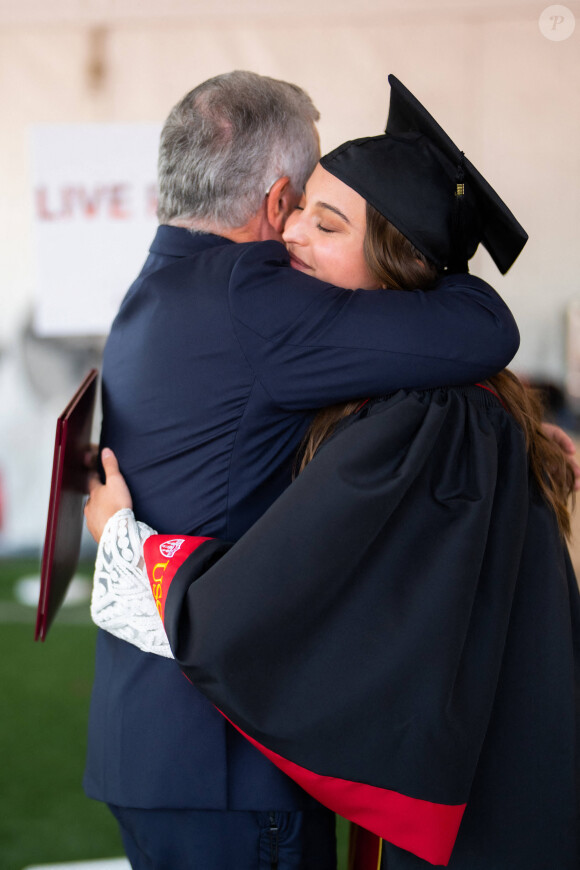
x=122, y=602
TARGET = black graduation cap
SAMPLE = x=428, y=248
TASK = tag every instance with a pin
x=422, y=183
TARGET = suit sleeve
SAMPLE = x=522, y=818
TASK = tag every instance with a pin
x=312, y=344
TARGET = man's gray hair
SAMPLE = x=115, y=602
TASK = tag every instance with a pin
x=227, y=141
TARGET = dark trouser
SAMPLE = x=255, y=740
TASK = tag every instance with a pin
x=227, y=840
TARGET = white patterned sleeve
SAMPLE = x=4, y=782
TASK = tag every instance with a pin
x=122, y=602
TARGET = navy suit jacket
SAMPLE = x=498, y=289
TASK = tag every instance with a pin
x=215, y=364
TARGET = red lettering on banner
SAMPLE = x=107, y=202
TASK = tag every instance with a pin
x=118, y=204
x=78, y=201
x=44, y=210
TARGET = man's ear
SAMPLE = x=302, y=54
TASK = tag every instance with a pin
x=281, y=201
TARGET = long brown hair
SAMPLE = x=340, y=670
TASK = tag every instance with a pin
x=398, y=265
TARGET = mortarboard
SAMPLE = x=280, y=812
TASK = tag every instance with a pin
x=422, y=183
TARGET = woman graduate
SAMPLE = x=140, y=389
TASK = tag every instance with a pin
x=400, y=632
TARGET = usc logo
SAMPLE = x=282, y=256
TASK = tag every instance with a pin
x=170, y=548
x=157, y=576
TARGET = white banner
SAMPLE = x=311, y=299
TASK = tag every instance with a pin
x=94, y=218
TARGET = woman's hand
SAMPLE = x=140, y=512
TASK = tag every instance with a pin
x=108, y=498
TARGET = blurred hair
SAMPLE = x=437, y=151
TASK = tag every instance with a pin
x=227, y=141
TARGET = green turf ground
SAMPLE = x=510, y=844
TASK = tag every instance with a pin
x=45, y=692
x=44, y=815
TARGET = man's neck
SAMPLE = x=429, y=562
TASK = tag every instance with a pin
x=257, y=229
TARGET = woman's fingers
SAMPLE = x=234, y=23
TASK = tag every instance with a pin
x=105, y=499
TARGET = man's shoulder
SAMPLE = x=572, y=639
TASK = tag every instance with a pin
x=178, y=257
x=198, y=277
x=181, y=255
x=182, y=244
x=254, y=259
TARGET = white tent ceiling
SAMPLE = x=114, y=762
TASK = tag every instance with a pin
x=37, y=11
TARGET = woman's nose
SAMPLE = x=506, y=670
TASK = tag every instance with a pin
x=294, y=229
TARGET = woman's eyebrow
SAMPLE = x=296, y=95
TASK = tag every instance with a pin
x=333, y=209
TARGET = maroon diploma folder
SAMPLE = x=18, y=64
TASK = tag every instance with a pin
x=65, y=509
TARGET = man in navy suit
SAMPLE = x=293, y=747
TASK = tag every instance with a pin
x=215, y=364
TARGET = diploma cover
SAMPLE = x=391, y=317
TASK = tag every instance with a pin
x=68, y=488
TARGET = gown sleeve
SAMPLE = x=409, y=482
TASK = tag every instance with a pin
x=312, y=344
x=355, y=634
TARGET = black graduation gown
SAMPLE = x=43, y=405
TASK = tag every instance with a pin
x=400, y=633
